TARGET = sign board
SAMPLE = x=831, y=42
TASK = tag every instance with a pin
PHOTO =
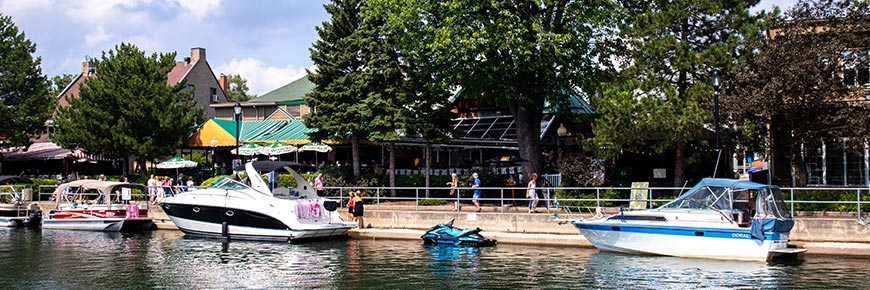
x=660, y=173
x=639, y=195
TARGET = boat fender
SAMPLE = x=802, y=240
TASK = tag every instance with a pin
x=330, y=205
x=225, y=229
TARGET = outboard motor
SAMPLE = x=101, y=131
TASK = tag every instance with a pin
x=34, y=218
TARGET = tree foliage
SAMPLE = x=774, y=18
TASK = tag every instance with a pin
x=515, y=54
x=128, y=109
x=25, y=102
x=237, y=89
x=662, y=99
x=802, y=83
x=341, y=99
x=59, y=82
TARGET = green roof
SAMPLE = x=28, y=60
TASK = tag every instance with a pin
x=292, y=92
x=293, y=131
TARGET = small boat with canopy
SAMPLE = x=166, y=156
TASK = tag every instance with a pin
x=717, y=218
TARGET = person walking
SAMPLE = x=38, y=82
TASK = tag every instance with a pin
x=454, y=184
x=358, y=210
x=531, y=194
x=152, y=189
x=318, y=184
x=476, y=186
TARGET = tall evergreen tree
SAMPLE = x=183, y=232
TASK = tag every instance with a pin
x=25, y=102
x=663, y=97
x=128, y=109
x=348, y=88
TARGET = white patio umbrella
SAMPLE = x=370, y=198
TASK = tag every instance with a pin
x=316, y=147
x=248, y=149
x=176, y=163
x=277, y=148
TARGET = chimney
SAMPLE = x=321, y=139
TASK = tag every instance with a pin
x=88, y=68
x=222, y=81
x=197, y=53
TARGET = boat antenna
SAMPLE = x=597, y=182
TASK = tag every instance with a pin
x=683, y=189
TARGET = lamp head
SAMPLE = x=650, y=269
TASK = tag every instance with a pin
x=715, y=79
x=237, y=109
x=214, y=142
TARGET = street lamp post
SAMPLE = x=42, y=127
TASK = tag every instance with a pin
x=213, y=143
x=237, y=115
x=561, y=132
x=716, y=117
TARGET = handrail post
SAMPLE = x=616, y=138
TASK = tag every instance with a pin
x=378, y=198
x=858, y=192
x=502, y=199
x=597, y=198
x=791, y=197
x=417, y=199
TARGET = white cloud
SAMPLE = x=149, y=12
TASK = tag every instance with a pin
x=97, y=37
x=99, y=11
x=201, y=8
x=18, y=7
x=261, y=78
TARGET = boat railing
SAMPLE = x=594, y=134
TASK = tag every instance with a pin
x=15, y=193
x=803, y=201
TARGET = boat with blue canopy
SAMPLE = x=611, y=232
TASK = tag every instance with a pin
x=717, y=218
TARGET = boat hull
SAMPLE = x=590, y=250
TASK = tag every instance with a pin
x=681, y=241
x=99, y=224
x=240, y=224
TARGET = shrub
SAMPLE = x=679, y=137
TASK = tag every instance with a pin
x=431, y=202
x=590, y=195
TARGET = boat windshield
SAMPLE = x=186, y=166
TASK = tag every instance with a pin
x=756, y=200
x=224, y=182
x=706, y=197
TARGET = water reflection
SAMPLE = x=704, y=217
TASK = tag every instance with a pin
x=54, y=259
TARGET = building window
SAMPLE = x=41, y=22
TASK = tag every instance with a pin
x=214, y=95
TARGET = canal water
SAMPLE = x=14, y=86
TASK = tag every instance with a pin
x=56, y=259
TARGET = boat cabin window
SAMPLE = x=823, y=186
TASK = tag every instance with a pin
x=227, y=183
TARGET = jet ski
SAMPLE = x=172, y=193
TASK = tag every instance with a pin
x=446, y=234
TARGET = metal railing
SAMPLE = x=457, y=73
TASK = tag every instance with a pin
x=593, y=198
x=600, y=197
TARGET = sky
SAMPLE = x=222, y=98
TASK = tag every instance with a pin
x=264, y=41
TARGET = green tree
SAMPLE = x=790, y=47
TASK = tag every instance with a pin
x=516, y=54
x=237, y=89
x=342, y=108
x=59, y=82
x=25, y=102
x=807, y=82
x=423, y=93
x=663, y=97
x=129, y=110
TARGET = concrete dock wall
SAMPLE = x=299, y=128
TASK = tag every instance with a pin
x=808, y=229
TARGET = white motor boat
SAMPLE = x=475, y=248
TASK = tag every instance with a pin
x=228, y=208
x=717, y=218
x=87, y=205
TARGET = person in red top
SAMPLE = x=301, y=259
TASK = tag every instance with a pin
x=350, y=205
